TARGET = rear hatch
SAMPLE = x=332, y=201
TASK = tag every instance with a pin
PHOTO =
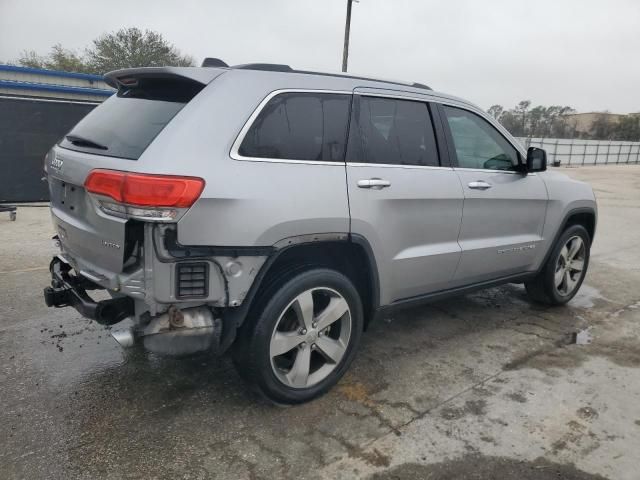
x=113, y=136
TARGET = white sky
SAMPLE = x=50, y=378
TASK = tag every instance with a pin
x=582, y=53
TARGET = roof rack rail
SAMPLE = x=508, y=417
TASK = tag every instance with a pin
x=278, y=67
x=359, y=77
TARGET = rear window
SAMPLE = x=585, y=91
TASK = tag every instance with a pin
x=300, y=126
x=126, y=123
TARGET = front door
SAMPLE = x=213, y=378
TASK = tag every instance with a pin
x=504, y=210
x=402, y=199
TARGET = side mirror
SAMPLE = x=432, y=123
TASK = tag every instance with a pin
x=536, y=159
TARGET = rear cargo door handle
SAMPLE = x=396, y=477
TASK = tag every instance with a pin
x=479, y=185
x=375, y=183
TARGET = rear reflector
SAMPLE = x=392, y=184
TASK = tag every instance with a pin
x=145, y=190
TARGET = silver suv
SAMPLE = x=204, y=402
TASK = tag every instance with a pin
x=275, y=213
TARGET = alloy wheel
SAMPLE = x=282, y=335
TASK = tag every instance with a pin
x=570, y=266
x=310, y=337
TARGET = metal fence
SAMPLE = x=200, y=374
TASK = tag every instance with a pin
x=586, y=152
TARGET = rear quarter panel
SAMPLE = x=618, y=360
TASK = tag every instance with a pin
x=246, y=203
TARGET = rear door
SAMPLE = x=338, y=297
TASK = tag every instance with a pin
x=403, y=200
x=504, y=210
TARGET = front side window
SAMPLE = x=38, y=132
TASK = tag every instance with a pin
x=392, y=131
x=300, y=126
x=477, y=143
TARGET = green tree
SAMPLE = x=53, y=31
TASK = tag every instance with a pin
x=128, y=47
x=59, y=58
x=30, y=58
x=511, y=121
x=554, y=122
x=521, y=109
x=539, y=121
x=559, y=127
x=628, y=128
x=496, y=111
x=602, y=128
x=538, y=118
x=131, y=47
x=67, y=60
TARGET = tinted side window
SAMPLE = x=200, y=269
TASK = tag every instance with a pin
x=300, y=126
x=477, y=143
x=394, y=132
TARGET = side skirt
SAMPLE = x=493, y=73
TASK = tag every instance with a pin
x=453, y=292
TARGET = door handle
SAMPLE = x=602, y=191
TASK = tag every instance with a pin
x=479, y=185
x=375, y=183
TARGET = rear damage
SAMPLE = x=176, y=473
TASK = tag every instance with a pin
x=179, y=300
x=117, y=231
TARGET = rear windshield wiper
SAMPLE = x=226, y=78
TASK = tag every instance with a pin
x=85, y=142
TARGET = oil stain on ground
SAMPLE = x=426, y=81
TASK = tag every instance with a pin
x=473, y=407
x=475, y=467
x=624, y=352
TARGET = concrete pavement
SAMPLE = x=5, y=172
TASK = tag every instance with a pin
x=483, y=386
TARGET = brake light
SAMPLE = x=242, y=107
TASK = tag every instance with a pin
x=145, y=190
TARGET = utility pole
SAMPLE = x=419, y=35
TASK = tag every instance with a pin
x=347, y=28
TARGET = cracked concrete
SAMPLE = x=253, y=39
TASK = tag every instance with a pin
x=482, y=386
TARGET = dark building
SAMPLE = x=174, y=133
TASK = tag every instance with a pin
x=37, y=107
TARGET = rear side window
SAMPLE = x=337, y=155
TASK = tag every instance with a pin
x=300, y=126
x=125, y=124
x=392, y=131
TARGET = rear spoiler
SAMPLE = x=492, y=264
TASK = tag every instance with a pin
x=126, y=77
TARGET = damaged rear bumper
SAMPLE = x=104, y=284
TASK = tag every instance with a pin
x=175, y=333
x=68, y=290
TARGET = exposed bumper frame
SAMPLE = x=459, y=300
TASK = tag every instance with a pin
x=68, y=290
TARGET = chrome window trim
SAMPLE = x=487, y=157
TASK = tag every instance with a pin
x=510, y=172
x=429, y=96
x=234, y=153
x=396, y=165
x=410, y=96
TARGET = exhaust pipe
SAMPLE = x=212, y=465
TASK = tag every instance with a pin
x=175, y=333
x=124, y=336
x=182, y=332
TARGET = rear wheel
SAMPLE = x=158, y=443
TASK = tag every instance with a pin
x=301, y=337
x=565, y=269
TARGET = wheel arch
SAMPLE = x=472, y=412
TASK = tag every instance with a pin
x=350, y=255
x=585, y=216
x=581, y=216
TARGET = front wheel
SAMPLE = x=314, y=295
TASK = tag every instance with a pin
x=301, y=337
x=565, y=269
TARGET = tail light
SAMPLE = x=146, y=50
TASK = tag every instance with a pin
x=139, y=195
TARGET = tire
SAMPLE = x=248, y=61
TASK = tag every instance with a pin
x=281, y=337
x=544, y=288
